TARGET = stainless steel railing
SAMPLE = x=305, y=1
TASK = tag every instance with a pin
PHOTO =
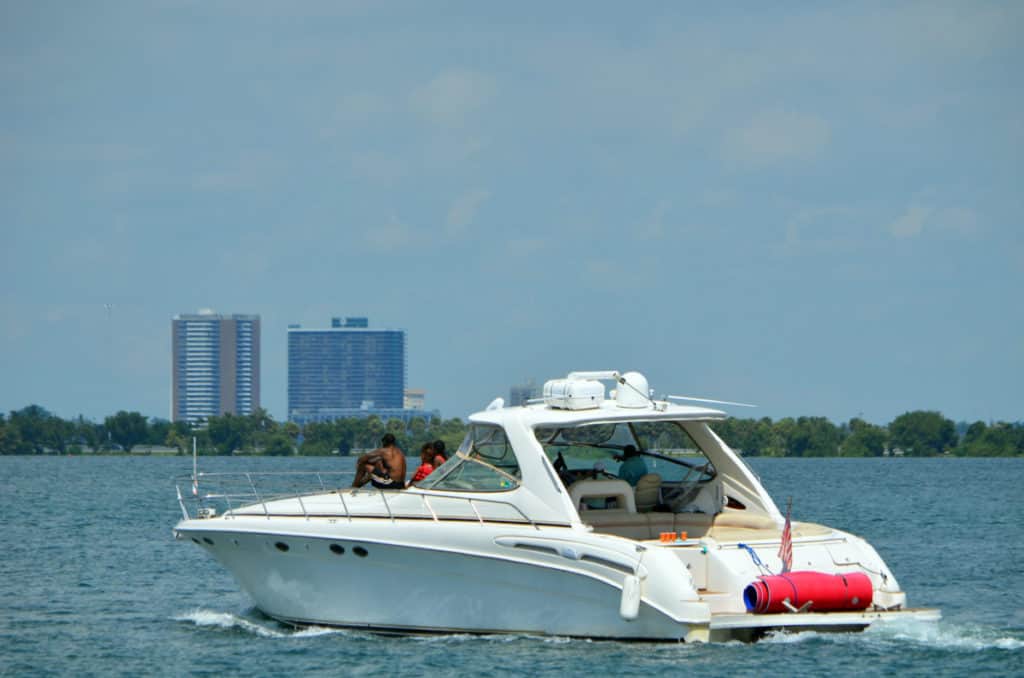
x=226, y=493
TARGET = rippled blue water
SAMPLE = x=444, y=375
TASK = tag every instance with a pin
x=92, y=582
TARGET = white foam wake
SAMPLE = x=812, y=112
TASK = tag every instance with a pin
x=946, y=635
x=270, y=629
x=937, y=635
x=498, y=638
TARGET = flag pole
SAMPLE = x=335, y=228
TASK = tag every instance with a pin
x=786, y=545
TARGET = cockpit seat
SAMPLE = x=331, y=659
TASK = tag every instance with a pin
x=629, y=524
x=618, y=490
x=648, y=492
x=595, y=500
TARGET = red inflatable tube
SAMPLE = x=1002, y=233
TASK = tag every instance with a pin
x=824, y=592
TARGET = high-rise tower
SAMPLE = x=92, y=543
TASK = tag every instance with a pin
x=347, y=369
x=215, y=365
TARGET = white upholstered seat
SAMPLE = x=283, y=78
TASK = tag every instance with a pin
x=619, y=490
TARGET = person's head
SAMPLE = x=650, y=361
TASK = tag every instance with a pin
x=438, y=446
x=629, y=451
x=427, y=453
x=387, y=441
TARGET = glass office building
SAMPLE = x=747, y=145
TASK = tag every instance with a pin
x=215, y=365
x=348, y=369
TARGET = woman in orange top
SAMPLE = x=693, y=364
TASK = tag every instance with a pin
x=426, y=466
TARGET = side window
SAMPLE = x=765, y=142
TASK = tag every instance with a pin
x=485, y=462
x=681, y=460
x=665, y=437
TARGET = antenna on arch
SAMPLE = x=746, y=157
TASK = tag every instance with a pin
x=709, y=400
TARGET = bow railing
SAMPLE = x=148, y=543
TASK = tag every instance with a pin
x=227, y=494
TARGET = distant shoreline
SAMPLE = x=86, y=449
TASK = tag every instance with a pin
x=33, y=430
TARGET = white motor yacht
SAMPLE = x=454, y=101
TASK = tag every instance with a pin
x=591, y=513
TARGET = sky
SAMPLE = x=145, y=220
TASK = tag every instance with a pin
x=815, y=207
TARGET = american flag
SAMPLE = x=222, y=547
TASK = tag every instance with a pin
x=786, y=547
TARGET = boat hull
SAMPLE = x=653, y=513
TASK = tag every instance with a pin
x=382, y=577
x=395, y=576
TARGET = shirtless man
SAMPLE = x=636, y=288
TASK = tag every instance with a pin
x=384, y=468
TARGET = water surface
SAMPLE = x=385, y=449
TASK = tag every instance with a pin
x=92, y=582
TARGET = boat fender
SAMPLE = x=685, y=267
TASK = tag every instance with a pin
x=798, y=591
x=629, y=606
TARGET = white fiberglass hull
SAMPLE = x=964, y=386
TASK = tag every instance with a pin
x=382, y=576
x=489, y=578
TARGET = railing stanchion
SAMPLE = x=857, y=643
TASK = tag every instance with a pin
x=227, y=500
x=344, y=506
x=472, y=505
x=387, y=505
x=181, y=503
x=256, y=494
x=430, y=508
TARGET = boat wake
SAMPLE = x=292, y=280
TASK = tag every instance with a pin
x=256, y=625
x=893, y=635
x=497, y=638
x=909, y=632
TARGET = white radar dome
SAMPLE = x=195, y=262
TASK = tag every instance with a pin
x=632, y=391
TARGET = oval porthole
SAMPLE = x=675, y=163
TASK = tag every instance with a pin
x=208, y=540
x=337, y=549
x=360, y=551
x=196, y=541
x=281, y=546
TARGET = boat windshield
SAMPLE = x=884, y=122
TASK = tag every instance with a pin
x=484, y=462
x=598, y=451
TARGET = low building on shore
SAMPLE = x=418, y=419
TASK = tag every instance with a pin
x=155, y=450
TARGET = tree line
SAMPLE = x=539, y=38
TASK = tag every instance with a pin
x=914, y=434
x=34, y=430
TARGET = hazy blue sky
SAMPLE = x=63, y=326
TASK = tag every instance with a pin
x=811, y=206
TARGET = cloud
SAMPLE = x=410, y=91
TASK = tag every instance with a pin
x=249, y=170
x=917, y=218
x=524, y=247
x=833, y=228
x=390, y=236
x=616, y=275
x=910, y=223
x=445, y=152
x=55, y=314
x=452, y=96
x=776, y=137
x=254, y=255
x=601, y=268
x=463, y=211
x=377, y=166
x=356, y=110
x=957, y=220
x=961, y=31
x=718, y=197
x=359, y=107
x=13, y=327
x=655, y=226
